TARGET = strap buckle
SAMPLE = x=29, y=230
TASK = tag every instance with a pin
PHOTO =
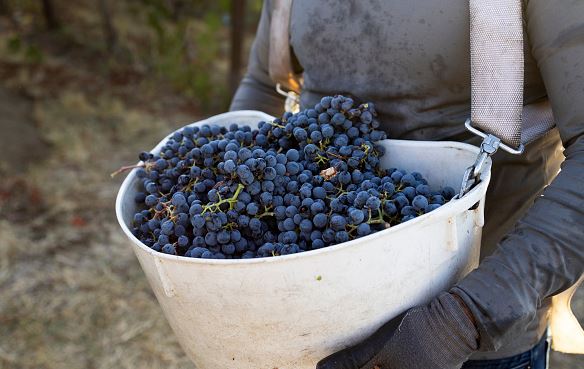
x=292, y=103
x=489, y=146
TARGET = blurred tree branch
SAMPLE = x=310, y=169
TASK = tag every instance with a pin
x=176, y=8
x=50, y=16
x=109, y=32
x=6, y=10
x=237, y=10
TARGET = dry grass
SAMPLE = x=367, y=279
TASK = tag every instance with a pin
x=72, y=294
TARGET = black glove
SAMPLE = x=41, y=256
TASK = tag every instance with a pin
x=440, y=335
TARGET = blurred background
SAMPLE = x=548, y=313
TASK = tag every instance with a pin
x=84, y=86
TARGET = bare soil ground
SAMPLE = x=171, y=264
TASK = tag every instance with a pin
x=72, y=294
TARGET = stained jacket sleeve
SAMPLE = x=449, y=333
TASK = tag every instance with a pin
x=544, y=254
x=256, y=90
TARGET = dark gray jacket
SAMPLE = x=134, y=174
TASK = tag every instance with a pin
x=411, y=58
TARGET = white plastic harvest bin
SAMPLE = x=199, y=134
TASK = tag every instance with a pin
x=288, y=312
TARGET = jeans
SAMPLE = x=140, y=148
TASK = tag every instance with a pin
x=536, y=358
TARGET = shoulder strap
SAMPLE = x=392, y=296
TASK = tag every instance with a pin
x=497, y=70
x=280, y=57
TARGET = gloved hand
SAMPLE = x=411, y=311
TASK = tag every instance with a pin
x=440, y=335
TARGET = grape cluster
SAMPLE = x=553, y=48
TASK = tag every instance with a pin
x=302, y=182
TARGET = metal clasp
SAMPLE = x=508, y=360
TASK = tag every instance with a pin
x=292, y=103
x=472, y=175
x=489, y=146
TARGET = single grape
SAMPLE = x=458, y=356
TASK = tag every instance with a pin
x=167, y=227
x=338, y=222
x=437, y=199
x=408, y=210
x=320, y=220
x=341, y=237
x=169, y=249
x=448, y=192
x=255, y=225
x=356, y=216
x=306, y=225
x=373, y=203
x=363, y=229
x=420, y=203
x=319, y=193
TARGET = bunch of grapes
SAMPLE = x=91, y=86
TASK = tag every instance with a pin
x=302, y=182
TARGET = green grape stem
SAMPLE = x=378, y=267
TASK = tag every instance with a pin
x=214, y=207
x=378, y=220
x=321, y=159
x=266, y=214
x=276, y=124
